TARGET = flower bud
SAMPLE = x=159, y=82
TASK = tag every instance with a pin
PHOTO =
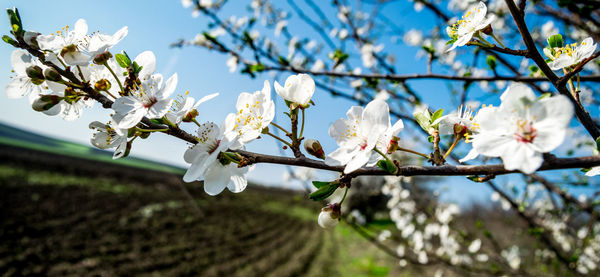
x=45, y=102
x=102, y=58
x=31, y=39
x=460, y=130
x=102, y=85
x=51, y=74
x=71, y=48
x=190, y=116
x=330, y=216
x=34, y=72
x=393, y=145
x=314, y=148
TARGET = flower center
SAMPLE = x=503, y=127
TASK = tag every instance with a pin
x=249, y=117
x=525, y=132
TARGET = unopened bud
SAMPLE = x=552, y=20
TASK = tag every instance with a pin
x=314, y=148
x=102, y=58
x=330, y=216
x=393, y=145
x=31, y=39
x=190, y=116
x=102, y=85
x=51, y=74
x=34, y=72
x=45, y=102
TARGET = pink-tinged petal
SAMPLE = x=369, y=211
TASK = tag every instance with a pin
x=20, y=60
x=147, y=61
x=520, y=156
x=216, y=178
x=358, y=161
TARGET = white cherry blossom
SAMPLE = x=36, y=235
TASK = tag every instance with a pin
x=21, y=85
x=571, y=54
x=358, y=135
x=254, y=113
x=76, y=47
x=185, y=107
x=473, y=21
x=150, y=100
x=298, y=89
x=205, y=163
x=522, y=128
x=106, y=137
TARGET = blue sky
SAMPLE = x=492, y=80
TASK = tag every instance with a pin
x=153, y=27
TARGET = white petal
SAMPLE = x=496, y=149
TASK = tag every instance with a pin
x=169, y=87
x=358, y=161
x=20, y=60
x=216, y=178
x=520, y=156
x=147, y=61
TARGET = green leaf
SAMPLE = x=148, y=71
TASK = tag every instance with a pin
x=9, y=40
x=556, y=41
x=598, y=144
x=137, y=68
x=123, y=60
x=491, y=62
x=430, y=139
x=388, y=166
x=319, y=184
x=324, y=191
x=423, y=120
x=15, y=22
x=437, y=114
